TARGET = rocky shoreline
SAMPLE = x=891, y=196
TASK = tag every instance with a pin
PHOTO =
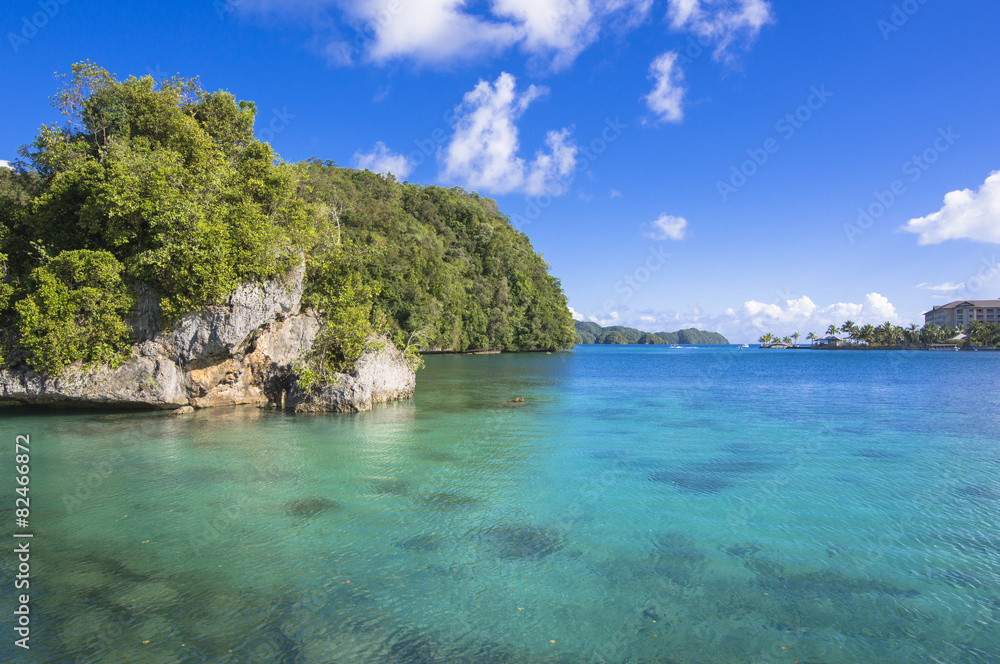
x=241, y=352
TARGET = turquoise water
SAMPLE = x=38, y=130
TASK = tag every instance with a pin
x=645, y=504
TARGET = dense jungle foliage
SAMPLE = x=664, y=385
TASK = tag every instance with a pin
x=163, y=184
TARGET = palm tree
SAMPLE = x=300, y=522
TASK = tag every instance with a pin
x=832, y=330
x=811, y=336
x=766, y=339
x=867, y=334
x=796, y=336
x=850, y=329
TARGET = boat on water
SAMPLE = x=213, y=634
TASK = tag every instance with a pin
x=674, y=345
x=745, y=346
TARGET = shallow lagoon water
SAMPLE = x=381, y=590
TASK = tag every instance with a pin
x=645, y=504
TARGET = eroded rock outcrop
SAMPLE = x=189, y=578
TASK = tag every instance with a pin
x=240, y=352
x=381, y=375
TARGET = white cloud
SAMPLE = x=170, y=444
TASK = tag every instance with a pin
x=947, y=287
x=748, y=322
x=483, y=152
x=666, y=227
x=615, y=194
x=804, y=315
x=383, y=160
x=5, y=164
x=441, y=32
x=431, y=31
x=575, y=314
x=966, y=215
x=722, y=22
x=605, y=321
x=668, y=91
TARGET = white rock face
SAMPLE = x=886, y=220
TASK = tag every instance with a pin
x=379, y=376
x=242, y=352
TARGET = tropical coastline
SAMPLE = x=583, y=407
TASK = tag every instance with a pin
x=451, y=332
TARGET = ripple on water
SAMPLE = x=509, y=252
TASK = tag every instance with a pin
x=879, y=453
x=977, y=492
x=308, y=507
x=390, y=486
x=446, y=500
x=420, y=543
x=523, y=542
x=712, y=476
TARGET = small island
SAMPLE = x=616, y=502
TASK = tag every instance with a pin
x=155, y=254
x=592, y=333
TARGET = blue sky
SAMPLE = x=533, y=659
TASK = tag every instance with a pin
x=736, y=165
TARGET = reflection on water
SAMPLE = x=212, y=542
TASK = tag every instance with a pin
x=641, y=506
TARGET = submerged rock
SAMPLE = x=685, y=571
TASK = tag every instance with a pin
x=392, y=486
x=451, y=501
x=523, y=542
x=381, y=374
x=240, y=352
x=692, y=482
x=308, y=507
x=148, y=595
x=421, y=543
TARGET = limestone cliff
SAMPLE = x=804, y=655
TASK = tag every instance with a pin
x=240, y=352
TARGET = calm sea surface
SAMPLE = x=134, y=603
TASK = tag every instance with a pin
x=644, y=504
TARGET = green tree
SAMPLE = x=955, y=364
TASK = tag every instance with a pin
x=850, y=329
x=75, y=312
x=168, y=178
x=614, y=338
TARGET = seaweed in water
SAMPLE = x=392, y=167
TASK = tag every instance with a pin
x=955, y=578
x=308, y=507
x=740, y=550
x=879, y=453
x=422, y=543
x=692, y=482
x=711, y=476
x=413, y=649
x=451, y=501
x=732, y=467
x=392, y=486
x=523, y=542
x=676, y=557
x=977, y=492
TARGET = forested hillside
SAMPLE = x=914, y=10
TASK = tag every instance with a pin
x=163, y=185
x=450, y=266
x=592, y=333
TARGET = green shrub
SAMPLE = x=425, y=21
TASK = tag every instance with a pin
x=75, y=312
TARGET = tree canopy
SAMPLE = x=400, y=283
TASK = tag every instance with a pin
x=163, y=184
x=591, y=333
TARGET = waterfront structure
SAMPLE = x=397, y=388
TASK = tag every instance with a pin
x=828, y=340
x=962, y=313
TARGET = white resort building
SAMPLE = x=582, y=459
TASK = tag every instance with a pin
x=962, y=313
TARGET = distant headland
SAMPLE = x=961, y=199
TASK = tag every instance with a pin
x=592, y=333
